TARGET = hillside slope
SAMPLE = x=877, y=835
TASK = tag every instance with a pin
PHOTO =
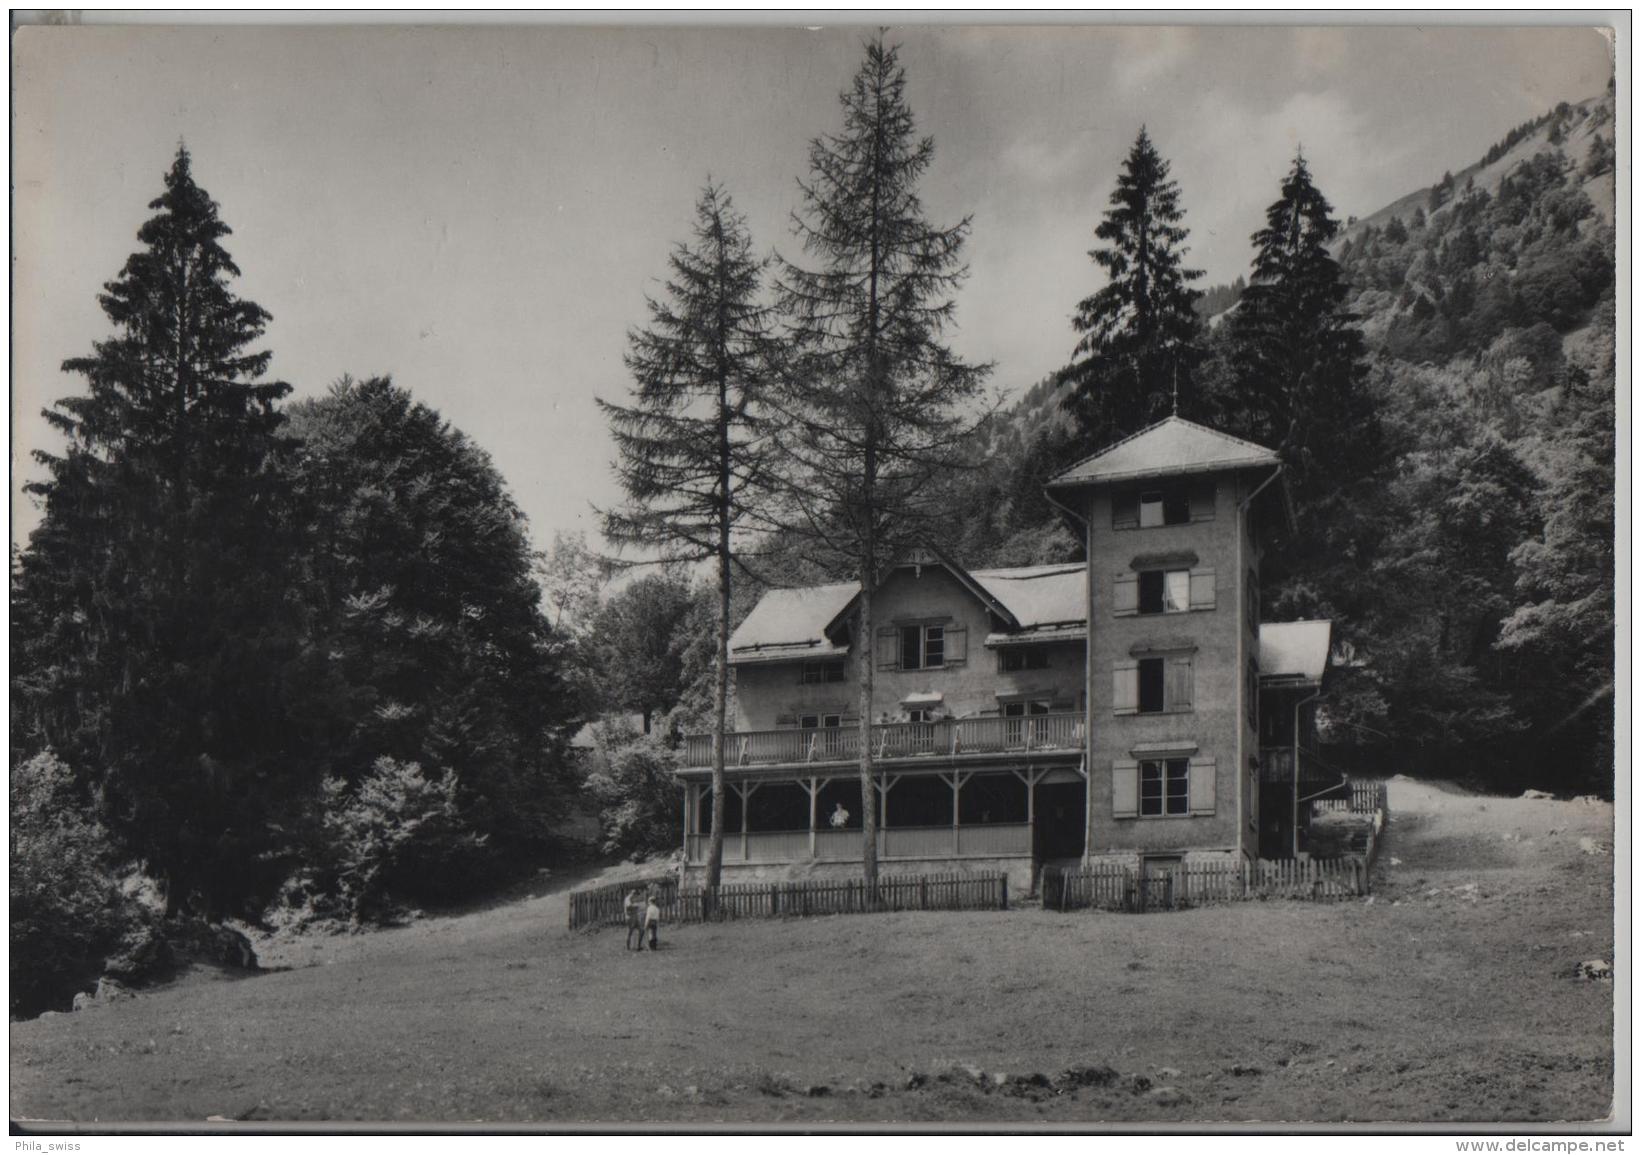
x=1451, y=996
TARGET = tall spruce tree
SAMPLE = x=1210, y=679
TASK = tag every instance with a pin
x=1140, y=333
x=1299, y=365
x=162, y=639
x=694, y=449
x=876, y=395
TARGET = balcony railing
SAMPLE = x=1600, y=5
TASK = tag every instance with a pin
x=892, y=740
x=990, y=840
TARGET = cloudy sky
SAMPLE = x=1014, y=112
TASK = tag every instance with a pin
x=480, y=212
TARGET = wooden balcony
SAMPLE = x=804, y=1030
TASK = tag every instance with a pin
x=892, y=741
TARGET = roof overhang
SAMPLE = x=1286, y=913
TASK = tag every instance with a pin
x=1067, y=632
x=786, y=652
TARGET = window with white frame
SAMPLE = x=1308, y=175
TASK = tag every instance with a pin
x=922, y=647
x=1163, y=784
x=1165, y=787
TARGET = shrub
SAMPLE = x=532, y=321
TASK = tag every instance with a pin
x=640, y=805
x=67, y=911
x=398, y=834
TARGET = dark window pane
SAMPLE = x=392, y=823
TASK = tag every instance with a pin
x=1178, y=779
x=911, y=647
x=1150, y=787
x=1151, y=591
x=1151, y=685
x=1176, y=507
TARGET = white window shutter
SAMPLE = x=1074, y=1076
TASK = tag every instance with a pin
x=1202, y=786
x=957, y=645
x=1125, y=687
x=1125, y=788
x=1202, y=588
x=1177, y=688
x=888, y=648
x=1125, y=594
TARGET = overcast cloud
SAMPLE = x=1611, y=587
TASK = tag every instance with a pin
x=480, y=212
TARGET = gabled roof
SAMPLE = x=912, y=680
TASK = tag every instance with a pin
x=1171, y=446
x=1295, y=651
x=932, y=557
x=1035, y=603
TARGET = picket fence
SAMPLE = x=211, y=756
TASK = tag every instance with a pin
x=604, y=906
x=1112, y=886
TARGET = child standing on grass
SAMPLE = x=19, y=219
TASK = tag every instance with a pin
x=652, y=922
x=630, y=907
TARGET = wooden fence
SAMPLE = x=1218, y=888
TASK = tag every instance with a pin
x=603, y=907
x=1364, y=796
x=1111, y=886
x=1114, y=886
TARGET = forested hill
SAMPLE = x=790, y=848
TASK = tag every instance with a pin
x=1478, y=597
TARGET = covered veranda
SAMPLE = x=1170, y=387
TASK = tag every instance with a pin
x=951, y=811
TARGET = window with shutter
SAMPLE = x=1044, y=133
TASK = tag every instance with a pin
x=1202, y=588
x=1163, y=787
x=1125, y=788
x=1202, y=786
x=1125, y=687
x=1125, y=595
x=1125, y=511
x=957, y=645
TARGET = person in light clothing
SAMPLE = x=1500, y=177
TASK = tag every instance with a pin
x=652, y=923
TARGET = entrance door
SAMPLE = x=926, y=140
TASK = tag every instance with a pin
x=1061, y=820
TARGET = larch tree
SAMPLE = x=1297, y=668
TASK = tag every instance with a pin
x=163, y=643
x=1140, y=332
x=875, y=396
x=693, y=444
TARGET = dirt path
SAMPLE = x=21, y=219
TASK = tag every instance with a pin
x=1450, y=996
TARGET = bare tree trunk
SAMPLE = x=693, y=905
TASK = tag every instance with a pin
x=720, y=702
x=868, y=789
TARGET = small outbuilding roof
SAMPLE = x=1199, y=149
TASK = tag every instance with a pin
x=1295, y=651
x=1040, y=596
x=1172, y=446
x=787, y=624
